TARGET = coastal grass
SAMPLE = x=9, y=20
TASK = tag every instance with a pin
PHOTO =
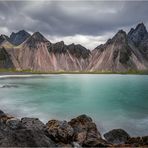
x=28, y=71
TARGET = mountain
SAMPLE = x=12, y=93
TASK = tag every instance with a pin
x=38, y=54
x=79, y=51
x=117, y=55
x=19, y=37
x=69, y=57
x=32, y=54
x=114, y=55
x=121, y=53
x=138, y=38
x=138, y=35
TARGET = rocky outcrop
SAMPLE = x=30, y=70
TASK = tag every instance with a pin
x=117, y=136
x=86, y=133
x=26, y=132
x=138, y=141
x=60, y=131
x=78, y=132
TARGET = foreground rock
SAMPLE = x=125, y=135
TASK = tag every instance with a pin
x=79, y=132
x=117, y=136
x=85, y=132
x=60, y=131
x=138, y=141
x=27, y=132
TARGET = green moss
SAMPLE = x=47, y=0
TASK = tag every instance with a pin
x=8, y=70
x=74, y=72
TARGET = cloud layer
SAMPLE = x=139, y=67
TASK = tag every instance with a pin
x=86, y=22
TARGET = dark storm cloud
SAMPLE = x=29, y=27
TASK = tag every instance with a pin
x=64, y=18
x=86, y=22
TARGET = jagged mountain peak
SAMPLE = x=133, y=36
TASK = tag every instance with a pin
x=35, y=39
x=37, y=34
x=38, y=37
x=78, y=50
x=20, y=32
x=58, y=47
x=76, y=45
x=120, y=35
x=138, y=35
x=141, y=27
x=19, y=37
x=61, y=43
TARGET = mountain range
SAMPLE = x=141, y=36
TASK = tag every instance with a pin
x=123, y=52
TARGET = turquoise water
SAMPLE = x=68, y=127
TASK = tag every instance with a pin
x=113, y=101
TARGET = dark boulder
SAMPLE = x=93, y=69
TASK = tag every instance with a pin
x=27, y=132
x=85, y=132
x=60, y=131
x=24, y=138
x=138, y=141
x=117, y=136
x=33, y=123
x=14, y=123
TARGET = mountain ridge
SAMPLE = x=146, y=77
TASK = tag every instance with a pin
x=123, y=52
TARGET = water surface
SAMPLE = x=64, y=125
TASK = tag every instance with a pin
x=113, y=101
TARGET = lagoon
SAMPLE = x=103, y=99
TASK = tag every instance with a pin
x=113, y=101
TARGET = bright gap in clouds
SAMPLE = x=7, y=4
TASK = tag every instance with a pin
x=90, y=42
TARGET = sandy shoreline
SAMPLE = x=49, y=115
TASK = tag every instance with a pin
x=15, y=73
x=21, y=74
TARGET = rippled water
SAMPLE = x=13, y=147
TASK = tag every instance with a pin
x=113, y=101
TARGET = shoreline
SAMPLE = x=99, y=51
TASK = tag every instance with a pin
x=30, y=74
x=80, y=131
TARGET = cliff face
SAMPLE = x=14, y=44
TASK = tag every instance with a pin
x=38, y=54
x=5, y=59
x=33, y=54
x=115, y=55
x=138, y=39
x=69, y=58
x=121, y=53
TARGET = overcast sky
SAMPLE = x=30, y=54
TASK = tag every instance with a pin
x=89, y=23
